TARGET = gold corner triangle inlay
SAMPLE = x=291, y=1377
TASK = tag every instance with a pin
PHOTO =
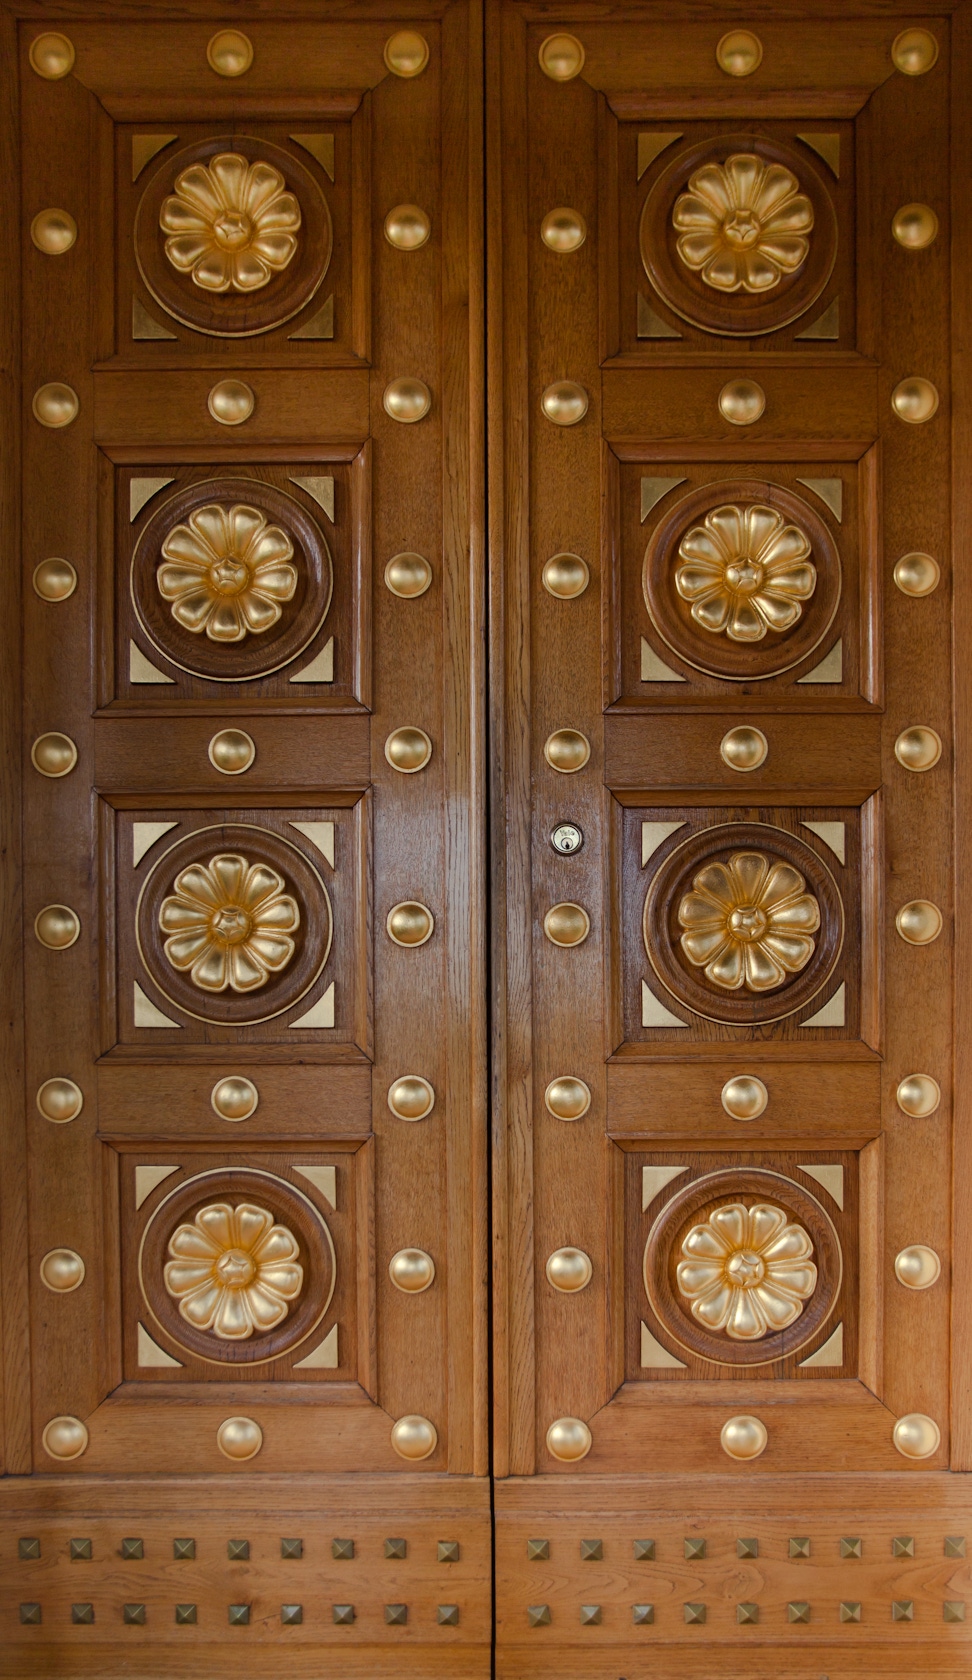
x=321, y=667
x=831, y=1177
x=830, y=491
x=143, y=325
x=147, y=1015
x=321, y=835
x=654, y=1357
x=833, y=834
x=321, y=148
x=144, y=836
x=826, y=325
x=323, y=1179
x=321, y=1013
x=320, y=325
x=652, y=491
x=140, y=491
x=830, y=669
x=145, y=147
x=148, y=1178
x=651, y=146
x=653, y=1013
x=826, y=146
x=150, y=1355
x=830, y=1354
x=654, y=1180
x=653, y=834
x=654, y=669
x=320, y=490
x=651, y=325
x=833, y=1013
x=141, y=670
x=324, y=1356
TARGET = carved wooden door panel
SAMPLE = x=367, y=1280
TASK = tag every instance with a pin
x=721, y=597
x=245, y=1161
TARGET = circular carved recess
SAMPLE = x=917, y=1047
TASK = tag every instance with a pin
x=743, y=923
x=231, y=579
x=738, y=234
x=232, y=236
x=236, y=1266
x=742, y=579
x=233, y=924
x=756, y=1257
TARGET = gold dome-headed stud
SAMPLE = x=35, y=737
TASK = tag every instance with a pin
x=564, y=402
x=567, y=1098
x=914, y=51
x=411, y=1270
x=407, y=227
x=57, y=926
x=741, y=402
x=406, y=53
x=408, y=575
x=919, y=1095
x=563, y=230
x=55, y=405
x=744, y=1097
x=408, y=749
x=569, y=1439
x=62, y=1271
x=915, y=226
x=414, y=1437
x=229, y=52
x=919, y=922
x=411, y=1097
x=743, y=1437
x=566, y=924
x=52, y=55
x=234, y=1098
x=569, y=1270
x=918, y=748
x=914, y=400
x=744, y=748
x=565, y=576
x=53, y=232
x=54, y=754
x=407, y=400
x=917, y=1266
x=239, y=1438
x=65, y=1438
x=231, y=401
x=55, y=580
x=916, y=1436
x=231, y=751
x=561, y=57
x=917, y=574
x=567, y=750
x=59, y=1100
x=409, y=923
x=739, y=52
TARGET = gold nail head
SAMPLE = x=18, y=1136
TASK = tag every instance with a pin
x=55, y=580
x=411, y=1270
x=407, y=227
x=918, y=748
x=408, y=749
x=567, y=1098
x=743, y=1437
x=57, y=926
x=232, y=751
x=741, y=402
x=569, y=1439
x=917, y=574
x=230, y=52
x=566, y=924
x=919, y=1095
x=567, y=750
x=411, y=1097
x=915, y=226
x=739, y=52
x=565, y=576
x=744, y=1097
x=59, y=1100
x=563, y=230
x=239, y=1438
x=564, y=402
x=52, y=56
x=914, y=400
x=917, y=1266
x=409, y=923
x=408, y=575
x=62, y=1271
x=407, y=400
x=406, y=53
x=414, y=1437
x=569, y=1270
x=914, y=51
x=561, y=57
x=231, y=401
x=65, y=1437
x=53, y=232
x=55, y=405
x=744, y=748
x=234, y=1098
x=916, y=1436
x=54, y=754
x=919, y=922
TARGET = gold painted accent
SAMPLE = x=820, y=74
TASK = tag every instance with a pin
x=227, y=573
x=567, y=751
x=231, y=402
x=917, y=1266
x=915, y=226
x=55, y=580
x=561, y=57
x=743, y=1437
x=739, y=52
x=62, y=1271
x=408, y=575
x=833, y=834
x=231, y=225
x=65, y=1438
x=54, y=755
x=833, y=1013
x=831, y=667
x=320, y=325
x=411, y=1097
x=320, y=835
x=919, y=922
x=144, y=836
x=151, y=1356
x=830, y=490
x=749, y=922
x=567, y=1098
x=143, y=325
x=141, y=670
x=414, y=1437
x=914, y=400
x=826, y=325
x=565, y=576
x=55, y=405
x=408, y=749
x=744, y=748
x=654, y=1357
x=406, y=53
x=141, y=490
x=651, y=146
x=741, y=402
x=916, y=1436
x=57, y=926
x=654, y=669
x=145, y=1012
x=409, y=923
x=407, y=400
x=564, y=402
x=239, y=1438
x=849, y=1612
x=145, y=147
x=408, y=227
x=321, y=149
x=654, y=1013
x=830, y=1178
x=52, y=55
x=320, y=490
x=652, y=491
x=918, y=748
x=148, y=1179
x=654, y=1180
x=324, y=1357
x=744, y=1097
x=569, y=1439
x=234, y=1098
x=233, y=1271
x=747, y=1271
x=59, y=1100
x=566, y=924
x=914, y=51
x=229, y=52
x=323, y=1179
x=231, y=752
x=746, y=570
x=743, y=225
x=53, y=232
x=826, y=146
x=653, y=835
x=650, y=324
x=917, y=574
x=829, y=1354
x=563, y=230
x=569, y=1270
x=919, y=1095
x=230, y=923
x=411, y=1270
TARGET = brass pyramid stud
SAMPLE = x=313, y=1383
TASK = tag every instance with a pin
x=447, y=1551
x=396, y=1615
x=953, y=1610
x=28, y=1547
x=237, y=1549
x=79, y=1549
x=133, y=1548
x=642, y=1614
x=799, y=1547
x=447, y=1615
x=345, y=1549
x=590, y=1615
x=342, y=1614
x=291, y=1615
x=183, y=1549
x=747, y=1548
x=238, y=1615
x=693, y=1549
x=592, y=1551
x=291, y=1548
x=850, y=1611
x=694, y=1614
x=538, y=1615
x=30, y=1614
x=538, y=1551
x=851, y=1547
x=133, y=1615
x=954, y=1545
x=82, y=1614
x=903, y=1610
x=395, y=1548
x=903, y=1545
x=185, y=1615
x=644, y=1550
x=746, y=1614
x=798, y=1611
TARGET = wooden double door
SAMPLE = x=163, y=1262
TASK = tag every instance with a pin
x=485, y=979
